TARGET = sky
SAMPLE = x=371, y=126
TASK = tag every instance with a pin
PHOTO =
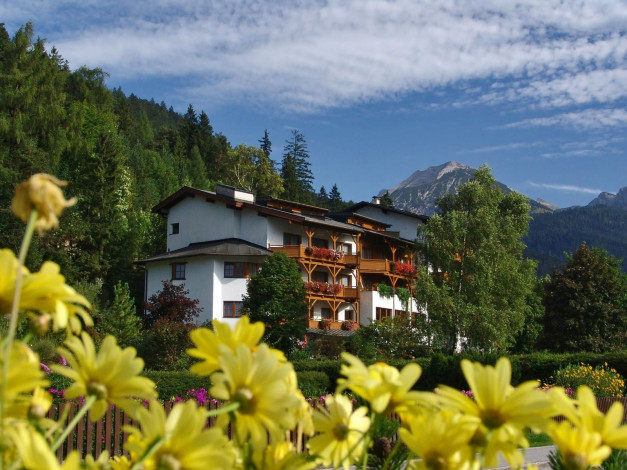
x=535, y=89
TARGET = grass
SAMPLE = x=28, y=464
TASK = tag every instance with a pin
x=539, y=440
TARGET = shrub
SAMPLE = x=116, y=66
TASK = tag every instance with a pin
x=164, y=346
x=313, y=383
x=602, y=379
x=176, y=383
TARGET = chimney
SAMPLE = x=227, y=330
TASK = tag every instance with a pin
x=376, y=200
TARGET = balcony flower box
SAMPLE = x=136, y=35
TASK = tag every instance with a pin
x=324, y=253
x=349, y=325
x=404, y=269
x=325, y=324
x=327, y=288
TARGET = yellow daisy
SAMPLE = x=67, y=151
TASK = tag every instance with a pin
x=25, y=374
x=44, y=292
x=43, y=193
x=208, y=342
x=282, y=456
x=504, y=411
x=383, y=386
x=182, y=440
x=111, y=375
x=441, y=439
x=579, y=447
x=258, y=381
x=342, y=432
x=34, y=452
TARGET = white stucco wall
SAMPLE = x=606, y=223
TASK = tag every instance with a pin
x=369, y=301
x=201, y=221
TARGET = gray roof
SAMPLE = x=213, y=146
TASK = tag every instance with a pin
x=225, y=247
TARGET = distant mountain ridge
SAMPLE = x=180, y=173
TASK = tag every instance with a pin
x=419, y=192
x=552, y=232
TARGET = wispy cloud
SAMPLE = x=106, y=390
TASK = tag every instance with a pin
x=502, y=148
x=585, y=119
x=308, y=55
x=566, y=187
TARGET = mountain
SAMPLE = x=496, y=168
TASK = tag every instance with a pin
x=552, y=232
x=419, y=193
x=613, y=200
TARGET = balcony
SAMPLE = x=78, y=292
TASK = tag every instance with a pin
x=385, y=266
x=323, y=255
x=328, y=289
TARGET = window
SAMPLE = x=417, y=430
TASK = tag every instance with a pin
x=175, y=228
x=349, y=315
x=383, y=313
x=347, y=281
x=291, y=239
x=320, y=243
x=240, y=269
x=326, y=313
x=366, y=253
x=347, y=248
x=320, y=276
x=232, y=309
x=178, y=271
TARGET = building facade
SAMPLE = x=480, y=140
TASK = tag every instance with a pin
x=217, y=240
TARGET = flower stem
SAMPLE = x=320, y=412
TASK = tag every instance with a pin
x=90, y=401
x=223, y=409
x=8, y=341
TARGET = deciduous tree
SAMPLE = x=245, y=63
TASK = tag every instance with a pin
x=276, y=297
x=477, y=290
x=171, y=303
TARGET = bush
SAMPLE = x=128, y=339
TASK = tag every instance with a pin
x=313, y=383
x=176, y=383
x=602, y=379
x=164, y=346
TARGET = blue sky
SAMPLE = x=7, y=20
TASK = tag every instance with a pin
x=535, y=89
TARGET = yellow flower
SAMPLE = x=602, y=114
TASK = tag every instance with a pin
x=382, y=385
x=182, y=440
x=259, y=382
x=504, y=411
x=112, y=375
x=44, y=292
x=208, y=342
x=342, y=432
x=43, y=193
x=441, y=439
x=120, y=463
x=34, y=452
x=282, y=456
x=587, y=415
x=580, y=448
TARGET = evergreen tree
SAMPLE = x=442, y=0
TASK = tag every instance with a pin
x=121, y=319
x=478, y=288
x=335, y=199
x=386, y=200
x=295, y=169
x=276, y=297
x=586, y=304
x=323, y=197
x=265, y=144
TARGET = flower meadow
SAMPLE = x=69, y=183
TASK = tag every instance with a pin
x=258, y=389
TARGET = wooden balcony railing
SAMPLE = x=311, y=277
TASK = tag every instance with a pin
x=300, y=251
x=370, y=266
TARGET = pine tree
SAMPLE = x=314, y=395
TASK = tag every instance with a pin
x=386, y=200
x=323, y=197
x=295, y=169
x=121, y=319
x=335, y=199
x=265, y=144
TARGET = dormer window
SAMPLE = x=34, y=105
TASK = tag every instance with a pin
x=175, y=228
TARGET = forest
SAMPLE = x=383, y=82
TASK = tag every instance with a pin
x=120, y=155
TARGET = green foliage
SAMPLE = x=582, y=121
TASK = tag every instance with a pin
x=296, y=169
x=386, y=200
x=313, y=383
x=251, y=169
x=121, y=319
x=586, y=304
x=478, y=287
x=553, y=234
x=276, y=297
x=164, y=346
x=330, y=368
x=394, y=338
x=176, y=383
x=603, y=380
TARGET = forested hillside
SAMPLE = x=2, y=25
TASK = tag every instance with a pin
x=552, y=234
x=120, y=154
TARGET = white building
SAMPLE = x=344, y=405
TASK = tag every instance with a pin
x=217, y=240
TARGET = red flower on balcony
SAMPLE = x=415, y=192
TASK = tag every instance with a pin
x=405, y=269
x=323, y=287
x=325, y=253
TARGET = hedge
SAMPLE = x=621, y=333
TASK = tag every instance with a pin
x=176, y=383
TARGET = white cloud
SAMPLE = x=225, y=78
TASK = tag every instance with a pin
x=305, y=55
x=566, y=187
x=586, y=119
